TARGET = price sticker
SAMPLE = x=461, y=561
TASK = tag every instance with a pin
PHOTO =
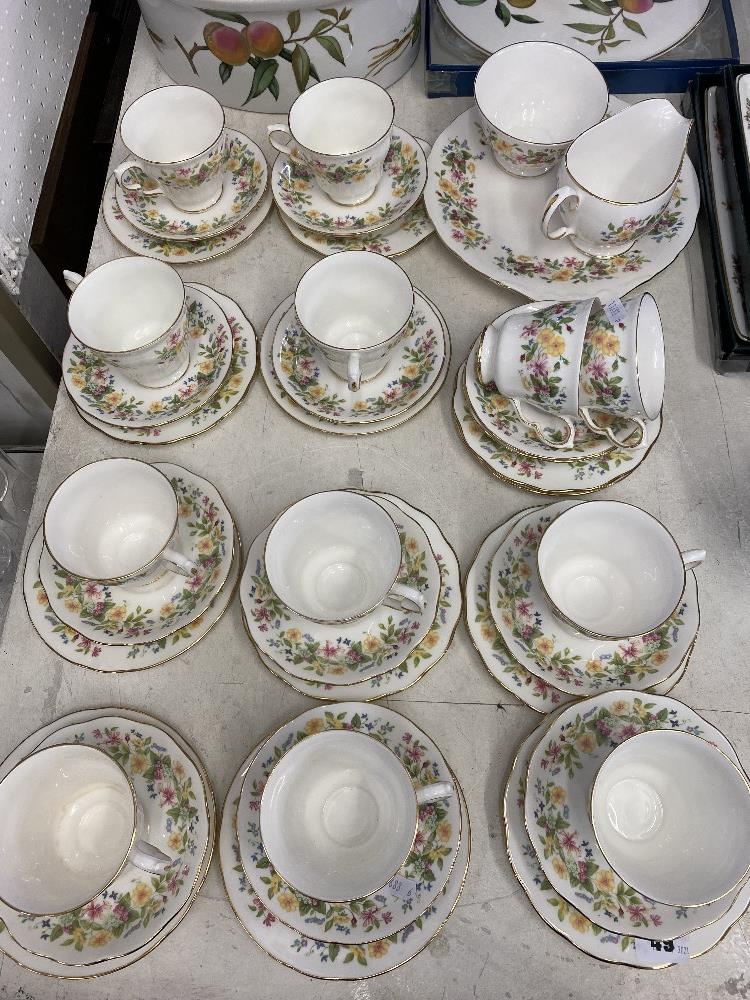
x=615, y=311
x=657, y=952
x=403, y=888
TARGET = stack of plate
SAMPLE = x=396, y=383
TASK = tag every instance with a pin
x=390, y=222
x=382, y=929
x=590, y=799
x=370, y=657
x=126, y=626
x=533, y=654
x=223, y=359
x=137, y=911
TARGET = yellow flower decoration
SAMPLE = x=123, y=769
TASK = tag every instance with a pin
x=293, y=634
x=174, y=841
x=377, y=949
x=313, y=726
x=141, y=894
x=578, y=922
x=586, y=743
x=99, y=938
x=604, y=881
x=558, y=795
x=443, y=830
x=544, y=645
x=287, y=902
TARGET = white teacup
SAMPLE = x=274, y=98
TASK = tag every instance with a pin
x=534, y=99
x=132, y=312
x=612, y=571
x=341, y=131
x=177, y=137
x=336, y=556
x=338, y=815
x=355, y=306
x=671, y=814
x=69, y=821
x=115, y=520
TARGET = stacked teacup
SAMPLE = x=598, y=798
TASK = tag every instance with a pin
x=132, y=564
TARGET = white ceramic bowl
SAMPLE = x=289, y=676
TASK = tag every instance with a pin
x=671, y=813
x=612, y=571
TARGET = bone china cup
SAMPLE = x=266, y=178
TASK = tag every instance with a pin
x=355, y=307
x=177, y=137
x=131, y=311
x=534, y=99
x=341, y=131
x=671, y=813
x=335, y=556
x=338, y=815
x=69, y=821
x=115, y=520
x=612, y=571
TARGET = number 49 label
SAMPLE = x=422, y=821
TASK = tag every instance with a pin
x=657, y=952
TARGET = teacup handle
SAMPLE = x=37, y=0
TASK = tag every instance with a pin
x=354, y=372
x=179, y=563
x=539, y=430
x=434, y=791
x=149, y=858
x=282, y=147
x=404, y=598
x=693, y=557
x=610, y=434
x=133, y=184
x=554, y=201
x=72, y=279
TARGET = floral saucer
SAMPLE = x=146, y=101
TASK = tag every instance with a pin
x=491, y=220
x=177, y=251
x=424, y=657
x=536, y=692
x=76, y=648
x=227, y=397
x=131, y=721
x=136, y=906
x=573, y=662
x=558, y=786
x=342, y=654
x=312, y=956
x=279, y=321
x=413, y=368
x=426, y=869
x=300, y=199
x=126, y=615
x=562, y=916
x=109, y=394
x=538, y=475
x=244, y=185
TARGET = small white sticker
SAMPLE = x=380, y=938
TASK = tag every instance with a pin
x=615, y=311
x=658, y=952
x=403, y=888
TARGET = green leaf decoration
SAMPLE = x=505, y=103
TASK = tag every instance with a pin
x=502, y=12
x=293, y=19
x=301, y=67
x=273, y=88
x=265, y=72
x=330, y=12
x=596, y=6
x=323, y=25
x=314, y=73
x=589, y=29
x=633, y=25
x=332, y=47
x=225, y=71
x=525, y=19
x=225, y=15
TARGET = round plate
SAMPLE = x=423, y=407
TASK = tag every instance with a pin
x=244, y=185
x=491, y=220
x=405, y=234
x=300, y=199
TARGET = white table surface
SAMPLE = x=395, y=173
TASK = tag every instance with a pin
x=697, y=480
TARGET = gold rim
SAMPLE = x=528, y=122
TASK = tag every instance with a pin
x=184, y=159
x=350, y=152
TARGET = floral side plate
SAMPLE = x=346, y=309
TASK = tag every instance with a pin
x=107, y=393
x=426, y=869
x=123, y=615
x=573, y=662
x=412, y=369
x=597, y=29
x=230, y=393
x=398, y=238
x=342, y=654
x=312, y=956
x=79, y=649
x=558, y=787
x=281, y=318
x=734, y=279
x=585, y=474
x=127, y=718
x=244, y=185
x=300, y=199
x=564, y=917
x=177, y=251
x=137, y=906
x=491, y=220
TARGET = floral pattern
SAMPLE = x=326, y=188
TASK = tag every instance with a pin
x=402, y=236
x=336, y=172
x=197, y=171
x=388, y=52
x=576, y=270
x=455, y=185
x=600, y=366
x=660, y=226
x=507, y=151
x=543, y=355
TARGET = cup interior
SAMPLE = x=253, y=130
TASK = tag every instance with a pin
x=354, y=300
x=649, y=348
x=126, y=304
x=333, y=556
x=171, y=124
x=610, y=569
x=110, y=519
x=67, y=820
x=541, y=92
x=671, y=814
x=338, y=816
x=340, y=116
